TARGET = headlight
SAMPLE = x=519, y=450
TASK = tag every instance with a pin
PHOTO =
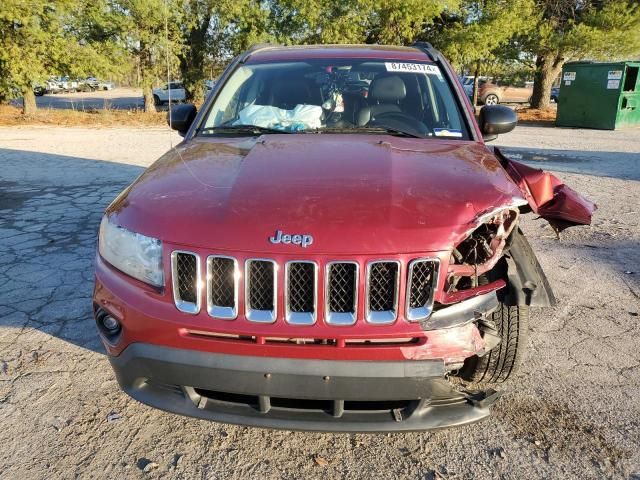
x=134, y=254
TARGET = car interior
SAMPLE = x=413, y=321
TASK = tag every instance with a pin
x=354, y=96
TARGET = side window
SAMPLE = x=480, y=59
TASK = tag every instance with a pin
x=226, y=105
x=441, y=104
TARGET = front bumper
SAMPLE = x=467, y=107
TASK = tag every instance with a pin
x=322, y=395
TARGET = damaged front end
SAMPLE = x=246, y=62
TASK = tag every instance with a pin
x=493, y=275
x=494, y=256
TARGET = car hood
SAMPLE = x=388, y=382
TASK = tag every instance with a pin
x=366, y=194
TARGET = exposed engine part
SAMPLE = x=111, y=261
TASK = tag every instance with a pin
x=480, y=251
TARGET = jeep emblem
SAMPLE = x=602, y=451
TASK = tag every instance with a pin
x=303, y=240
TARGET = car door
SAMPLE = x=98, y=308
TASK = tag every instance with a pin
x=177, y=92
x=517, y=93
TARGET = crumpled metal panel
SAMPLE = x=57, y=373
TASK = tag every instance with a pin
x=547, y=196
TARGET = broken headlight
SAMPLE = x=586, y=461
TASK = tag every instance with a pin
x=479, y=252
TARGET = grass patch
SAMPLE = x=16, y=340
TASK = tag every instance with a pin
x=13, y=116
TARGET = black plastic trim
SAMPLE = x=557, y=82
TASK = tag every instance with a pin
x=167, y=378
x=528, y=285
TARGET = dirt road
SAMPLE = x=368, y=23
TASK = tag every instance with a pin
x=572, y=413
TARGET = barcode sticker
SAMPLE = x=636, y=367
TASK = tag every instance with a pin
x=412, y=68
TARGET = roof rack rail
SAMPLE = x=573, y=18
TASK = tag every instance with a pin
x=427, y=48
x=256, y=47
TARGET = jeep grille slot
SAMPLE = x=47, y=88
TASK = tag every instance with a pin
x=222, y=287
x=260, y=290
x=421, y=284
x=300, y=292
x=382, y=291
x=185, y=274
x=341, y=293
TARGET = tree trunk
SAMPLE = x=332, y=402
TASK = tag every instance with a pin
x=475, y=85
x=147, y=93
x=29, y=105
x=147, y=78
x=548, y=67
x=192, y=62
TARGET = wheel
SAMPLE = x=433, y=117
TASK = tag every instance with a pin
x=499, y=364
x=491, y=99
x=156, y=101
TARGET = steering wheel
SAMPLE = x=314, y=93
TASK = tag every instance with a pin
x=400, y=121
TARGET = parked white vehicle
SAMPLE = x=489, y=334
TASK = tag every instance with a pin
x=104, y=85
x=173, y=90
x=52, y=86
x=68, y=85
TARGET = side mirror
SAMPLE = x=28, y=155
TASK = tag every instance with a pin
x=180, y=117
x=496, y=119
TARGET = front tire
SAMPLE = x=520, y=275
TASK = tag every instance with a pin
x=512, y=324
x=156, y=101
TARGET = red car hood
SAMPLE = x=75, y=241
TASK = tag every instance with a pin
x=354, y=194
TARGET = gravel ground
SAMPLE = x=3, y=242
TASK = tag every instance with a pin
x=572, y=413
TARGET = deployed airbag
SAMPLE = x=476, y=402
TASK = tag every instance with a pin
x=302, y=117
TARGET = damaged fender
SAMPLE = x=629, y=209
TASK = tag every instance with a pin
x=547, y=196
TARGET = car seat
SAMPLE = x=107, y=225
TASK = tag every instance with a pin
x=385, y=93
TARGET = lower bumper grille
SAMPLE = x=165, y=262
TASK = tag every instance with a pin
x=336, y=408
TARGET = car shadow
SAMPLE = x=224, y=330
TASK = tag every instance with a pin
x=50, y=210
x=91, y=103
x=622, y=165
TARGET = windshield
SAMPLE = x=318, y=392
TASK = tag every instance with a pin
x=337, y=95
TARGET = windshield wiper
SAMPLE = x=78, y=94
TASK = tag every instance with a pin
x=372, y=129
x=242, y=129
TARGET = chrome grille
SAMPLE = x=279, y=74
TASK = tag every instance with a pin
x=185, y=274
x=300, y=293
x=341, y=292
x=260, y=290
x=382, y=291
x=301, y=289
x=421, y=284
x=222, y=287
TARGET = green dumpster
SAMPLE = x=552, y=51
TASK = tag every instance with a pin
x=599, y=95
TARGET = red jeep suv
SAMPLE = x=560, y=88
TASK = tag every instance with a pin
x=322, y=256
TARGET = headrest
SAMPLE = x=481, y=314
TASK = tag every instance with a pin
x=387, y=89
